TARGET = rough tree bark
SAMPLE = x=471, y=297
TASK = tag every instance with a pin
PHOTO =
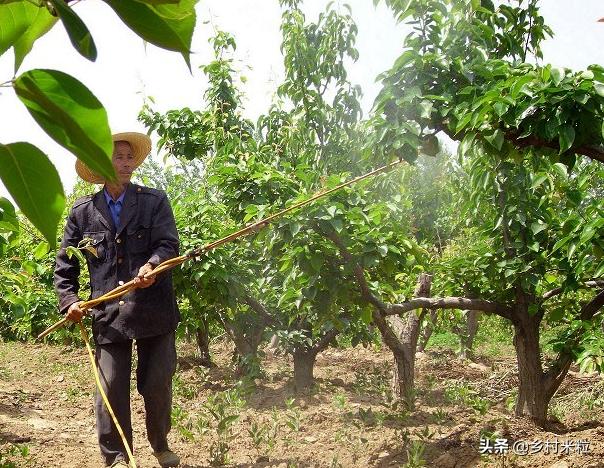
x=304, y=361
x=407, y=331
x=533, y=399
x=202, y=337
x=537, y=387
x=427, y=331
x=467, y=333
x=246, y=343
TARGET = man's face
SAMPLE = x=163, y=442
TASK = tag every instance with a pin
x=123, y=161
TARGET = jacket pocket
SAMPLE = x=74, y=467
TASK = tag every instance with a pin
x=94, y=246
x=138, y=239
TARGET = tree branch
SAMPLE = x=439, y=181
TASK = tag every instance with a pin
x=591, y=151
x=259, y=308
x=593, y=306
x=594, y=152
x=450, y=303
x=587, y=284
x=325, y=340
x=557, y=371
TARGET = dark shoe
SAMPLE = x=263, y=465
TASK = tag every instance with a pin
x=167, y=458
x=119, y=464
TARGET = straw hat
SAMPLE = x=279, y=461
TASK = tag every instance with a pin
x=141, y=147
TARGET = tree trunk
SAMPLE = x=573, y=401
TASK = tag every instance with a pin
x=246, y=343
x=468, y=334
x=203, y=344
x=403, y=377
x=273, y=345
x=304, y=363
x=407, y=334
x=304, y=360
x=427, y=331
x=533, y=393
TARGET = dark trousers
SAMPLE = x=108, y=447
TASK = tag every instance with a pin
x=156, y=366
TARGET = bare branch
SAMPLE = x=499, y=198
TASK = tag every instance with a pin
x=450, y=303
x=325, y=340
x=593, y=306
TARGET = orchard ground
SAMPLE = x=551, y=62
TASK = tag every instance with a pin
x=463, y=408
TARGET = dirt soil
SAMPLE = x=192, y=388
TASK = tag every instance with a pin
x=347, y=420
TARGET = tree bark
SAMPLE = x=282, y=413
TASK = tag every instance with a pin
x=532, y=396
x=246, y=343
x=407, y=332
x=468, y=334
x=427, y=331
x=304, y=361
x=202, y=337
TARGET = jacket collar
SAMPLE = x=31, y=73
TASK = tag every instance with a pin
x=128, y=210
x=100, y=204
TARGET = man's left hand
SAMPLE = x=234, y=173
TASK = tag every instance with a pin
x=140, y=281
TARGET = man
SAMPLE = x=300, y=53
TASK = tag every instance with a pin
x=129, y=230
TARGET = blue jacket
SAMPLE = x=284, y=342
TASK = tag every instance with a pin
x=147, y=233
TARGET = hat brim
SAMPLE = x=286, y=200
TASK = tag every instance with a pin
x=141, y=147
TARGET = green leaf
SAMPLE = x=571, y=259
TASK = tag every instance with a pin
x=15, y=18
x=41, y=250
x=40, y=25
x=34, y=184
x=557, y=75
x=316, y=261
x=80, y=37
x=495, y=139
x=556, y=314
x=7, y=212
x=561, y=170
x=167, y=26
x=70, y=114
x=332, y=210
x=463, y=122
x=366, y=315
x=5, y=226
x=539, y=180
x=599, y=87
x=537, y=227
x=533, y=309
x=337, y=224
x=566, y=137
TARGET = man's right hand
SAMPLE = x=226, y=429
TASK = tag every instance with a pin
x=74, y=313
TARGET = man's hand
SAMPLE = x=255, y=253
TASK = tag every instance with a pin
x=74, y=313
x=140, y=281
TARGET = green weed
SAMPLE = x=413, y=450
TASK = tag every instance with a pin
x=14, y=455
x=465, y=395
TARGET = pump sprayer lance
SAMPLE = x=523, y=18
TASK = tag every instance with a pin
x=171, y=263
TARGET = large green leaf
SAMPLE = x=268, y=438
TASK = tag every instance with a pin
x=495, y=139
x=34, y=184
x=566, y=137
x=40, y=25
x=15, y=18
x=78, y=33
x=69, y=112
x=169, y=26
